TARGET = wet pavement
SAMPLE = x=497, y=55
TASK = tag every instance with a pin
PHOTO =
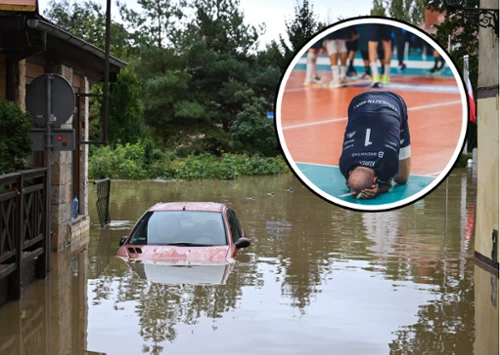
x=317, y=279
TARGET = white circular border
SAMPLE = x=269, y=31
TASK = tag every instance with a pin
x=437, y=180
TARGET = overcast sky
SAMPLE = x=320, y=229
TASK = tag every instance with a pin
x=274, y=12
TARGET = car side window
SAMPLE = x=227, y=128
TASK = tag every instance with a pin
x=234, y=225
x=238, y=225
x=140, y=233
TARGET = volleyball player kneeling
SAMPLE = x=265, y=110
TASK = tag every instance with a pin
x=376, y=147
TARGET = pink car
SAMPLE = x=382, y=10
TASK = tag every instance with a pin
x=189, y=231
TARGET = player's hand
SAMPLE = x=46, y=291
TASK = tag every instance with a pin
x=369, y=193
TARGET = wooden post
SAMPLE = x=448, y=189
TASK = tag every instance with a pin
x=41, y=263
x=18, y=242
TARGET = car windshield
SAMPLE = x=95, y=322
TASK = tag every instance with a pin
x=183, y=228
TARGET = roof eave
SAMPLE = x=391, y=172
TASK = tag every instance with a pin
x=53, y=30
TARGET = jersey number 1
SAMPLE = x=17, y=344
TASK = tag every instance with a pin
x=367, y=137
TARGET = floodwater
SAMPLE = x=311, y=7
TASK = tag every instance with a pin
x=317, y=279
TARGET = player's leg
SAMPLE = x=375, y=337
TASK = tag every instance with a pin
x=342, y=49
x=311, y=65
x=331, y=49
x=352, y=48
x=438, y=63
x=373, y=38
x=367, y=74
x=386, y=36
x=400, y=47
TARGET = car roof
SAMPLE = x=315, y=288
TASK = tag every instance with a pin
x=187, y=206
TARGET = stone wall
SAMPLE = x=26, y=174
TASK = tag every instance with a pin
x=488, y=144
x=80, y=232
x=62, y=185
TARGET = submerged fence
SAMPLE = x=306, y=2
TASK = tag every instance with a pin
x=23, y=240
x=103, y=192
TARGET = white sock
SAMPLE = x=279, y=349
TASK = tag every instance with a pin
x=310, y=66
x=387, y=69
x=343, y=71
x=335, y=73
x=374, y=68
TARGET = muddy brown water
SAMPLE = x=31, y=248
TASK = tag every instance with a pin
x=317, y=279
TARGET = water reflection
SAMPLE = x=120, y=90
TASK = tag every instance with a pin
x=168, y=273
x=316, y=278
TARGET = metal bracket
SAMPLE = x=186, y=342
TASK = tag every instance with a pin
x=494, y=248
x=486, y=18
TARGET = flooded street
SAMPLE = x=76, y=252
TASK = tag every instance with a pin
x=317, y=279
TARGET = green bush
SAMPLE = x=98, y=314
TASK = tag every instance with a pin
x=252, y=133
x=15, y=139
x=134, y=161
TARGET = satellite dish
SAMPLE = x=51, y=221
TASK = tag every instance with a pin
x=62, y=100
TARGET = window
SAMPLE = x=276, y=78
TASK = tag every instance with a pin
x=178, y=227
x=234, y=225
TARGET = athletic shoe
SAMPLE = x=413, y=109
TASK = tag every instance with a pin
x=435, y=71
x=319, y=80
x=334, y=84
x=386, y=79
x=402, y=66
x=366, y=76
x=376, y=81
x=351, y=73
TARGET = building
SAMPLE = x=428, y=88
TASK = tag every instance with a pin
x=31, y=46
x=486, y=228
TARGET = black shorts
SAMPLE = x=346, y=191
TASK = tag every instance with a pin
x=377, y=32
x=352, y=46
x=317, y=45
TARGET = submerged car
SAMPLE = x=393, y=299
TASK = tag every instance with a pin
x=189, y=231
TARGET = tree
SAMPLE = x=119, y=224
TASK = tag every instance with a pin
x=378, y=8
x=87, y=21
x=464, y=41
x=253, y=133
x=126, y=119
x=411, y=11
x=299, y=30
x=157, y=25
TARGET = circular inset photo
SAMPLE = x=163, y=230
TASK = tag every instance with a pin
x=372, y=114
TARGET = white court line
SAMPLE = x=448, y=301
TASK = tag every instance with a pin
x=436, y=173
x=449, y=103
x=344, y=195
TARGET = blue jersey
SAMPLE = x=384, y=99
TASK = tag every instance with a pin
x=377, y=128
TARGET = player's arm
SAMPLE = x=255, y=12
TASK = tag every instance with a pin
x=404, y=152
x=404, y=171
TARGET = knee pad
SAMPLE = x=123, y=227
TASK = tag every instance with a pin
x=341, y=46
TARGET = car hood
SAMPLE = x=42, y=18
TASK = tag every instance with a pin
x=168, y=252
x=183, y=272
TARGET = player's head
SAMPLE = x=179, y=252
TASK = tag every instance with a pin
x=360, y=178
